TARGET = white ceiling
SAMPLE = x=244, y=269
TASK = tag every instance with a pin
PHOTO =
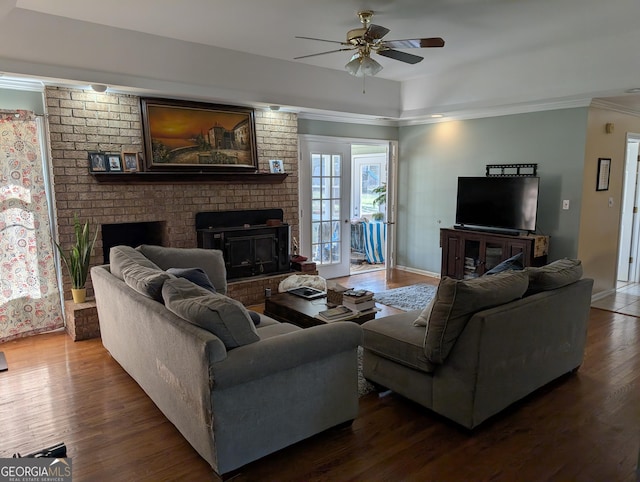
x=572, y=48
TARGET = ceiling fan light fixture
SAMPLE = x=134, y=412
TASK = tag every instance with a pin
x=370, y=67
x=361, y=65
x=353, y=66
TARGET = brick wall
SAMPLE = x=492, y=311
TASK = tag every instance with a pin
x=82, y=121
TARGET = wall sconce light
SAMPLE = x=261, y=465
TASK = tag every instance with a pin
x=274, y=107
x=99, y=88
x=608, y=127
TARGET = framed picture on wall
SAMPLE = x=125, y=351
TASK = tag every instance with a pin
x=195, y=136
x=97, y=162
x=604, y=173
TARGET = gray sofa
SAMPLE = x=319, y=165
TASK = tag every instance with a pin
x=485, y=345
x=278, y=385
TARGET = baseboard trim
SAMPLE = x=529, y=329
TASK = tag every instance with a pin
x=602, y=294
x=417, y=271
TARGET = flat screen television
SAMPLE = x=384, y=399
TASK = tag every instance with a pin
x=509, y=203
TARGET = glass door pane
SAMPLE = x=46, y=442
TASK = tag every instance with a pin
x=494, y=254
x=326, y=228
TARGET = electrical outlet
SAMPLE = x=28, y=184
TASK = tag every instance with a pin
x=565, y=204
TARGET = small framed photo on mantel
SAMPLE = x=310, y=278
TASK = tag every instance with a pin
x=114, y=162
x=97, y=162
x=276, y=166
x=130, y=161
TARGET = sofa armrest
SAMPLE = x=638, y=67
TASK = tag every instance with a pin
x=283, y=352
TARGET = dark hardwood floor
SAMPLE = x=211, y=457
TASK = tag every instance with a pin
x=583, y=427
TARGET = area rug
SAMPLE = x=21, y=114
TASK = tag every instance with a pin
x=407, y=298
x=364, y=386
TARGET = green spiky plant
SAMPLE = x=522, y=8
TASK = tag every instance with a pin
x=381, y=191
x=79, y=257
x=381, y=199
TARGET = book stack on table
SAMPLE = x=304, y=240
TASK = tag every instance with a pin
x=358, y=300
x=338, y=313
x=356, y=305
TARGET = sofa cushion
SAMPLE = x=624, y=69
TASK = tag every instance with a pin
x=396, y=337
x=121, y=257
x=145, y=280
x=195, y=275
x=276, y=329
x=222, y=316
x=425, y=314
x=209, y=260
x=513, y=263
x=457, y=300
x=554, y=275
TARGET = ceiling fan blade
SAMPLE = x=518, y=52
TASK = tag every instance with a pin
x=321, y=53
x=323, y=40
x=401, y=56
x=416, y=43
x=375, y=32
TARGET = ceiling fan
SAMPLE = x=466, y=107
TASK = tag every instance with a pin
x=367, y=39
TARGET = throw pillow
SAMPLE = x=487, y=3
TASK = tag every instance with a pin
x=195, y=275
x=121, y=257
x=423, y=317
x=513, y=263
x=457, y=301
x=222, y=316
x=209, y=260
x=554, y=275
x=255, y=317
x=146, y=281
x=297, y=280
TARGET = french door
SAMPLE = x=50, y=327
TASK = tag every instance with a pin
x=327, y=201
x=325, y=196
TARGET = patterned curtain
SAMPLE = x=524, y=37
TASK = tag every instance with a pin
x=29, y=297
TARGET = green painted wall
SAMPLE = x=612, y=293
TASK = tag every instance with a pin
x=432, y=156
x=345, y=129
x=21, y=99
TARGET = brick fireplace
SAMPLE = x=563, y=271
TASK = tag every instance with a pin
x=81, y=121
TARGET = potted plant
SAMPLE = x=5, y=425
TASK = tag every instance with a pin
x=380, y=201
x=381, y=192
x=78, y=259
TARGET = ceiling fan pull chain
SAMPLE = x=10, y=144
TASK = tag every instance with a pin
x=363, y=77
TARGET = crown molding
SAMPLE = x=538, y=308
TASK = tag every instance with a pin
x=604, y=104
x=460, y=113
x=496, y=111
x=32, y=85
x=349, y=119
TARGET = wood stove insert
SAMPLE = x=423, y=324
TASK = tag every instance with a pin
x=253, y=242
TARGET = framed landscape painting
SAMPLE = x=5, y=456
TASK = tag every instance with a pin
x=195, y=136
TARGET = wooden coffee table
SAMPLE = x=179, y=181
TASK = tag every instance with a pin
x=293, y=309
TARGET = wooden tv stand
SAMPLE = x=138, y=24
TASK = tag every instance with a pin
x=468, y=253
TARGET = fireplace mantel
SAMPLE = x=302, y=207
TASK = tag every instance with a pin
x=188, y=178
